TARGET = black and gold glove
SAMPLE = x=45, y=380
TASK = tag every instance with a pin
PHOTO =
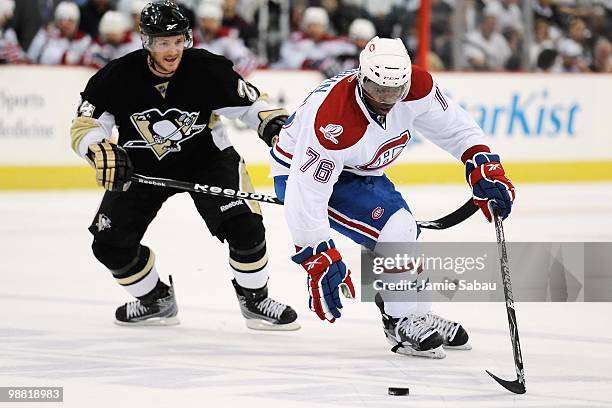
x=113, y=166
x=271, y=124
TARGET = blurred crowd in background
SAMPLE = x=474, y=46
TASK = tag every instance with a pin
x=324, y=35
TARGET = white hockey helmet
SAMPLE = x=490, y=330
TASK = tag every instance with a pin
x=315, y=15
x=385, y=70
x=210, y=10
x=114, y=22
x=361, y=29
x=67, y=10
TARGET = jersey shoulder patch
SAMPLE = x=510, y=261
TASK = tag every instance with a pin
x=340, y=122
x=421, y=84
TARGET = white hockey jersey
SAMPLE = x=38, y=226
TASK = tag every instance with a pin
x=51, y=48
x=230, y=45
x=10, y=50
x=332, y=131
x=300, y=51
x=99, y=53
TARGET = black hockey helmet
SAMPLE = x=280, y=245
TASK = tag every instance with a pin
x=163, y=19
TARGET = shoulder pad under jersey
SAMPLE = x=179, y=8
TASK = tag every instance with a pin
x=421, y=84
x=340, y=122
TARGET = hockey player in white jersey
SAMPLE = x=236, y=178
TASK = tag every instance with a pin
x=60, y=43
x=212, y=36
x=328, y=168
x=115, y=40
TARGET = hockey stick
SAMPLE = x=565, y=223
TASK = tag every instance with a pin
x=450, y=220
x=459, y=215
x=205, y=188
x=517, y=386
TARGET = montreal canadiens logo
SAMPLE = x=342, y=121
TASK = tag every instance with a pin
x=331, y=132
x=387, y=152
x=377, y=213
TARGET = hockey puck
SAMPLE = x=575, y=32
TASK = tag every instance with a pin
x=399, y=391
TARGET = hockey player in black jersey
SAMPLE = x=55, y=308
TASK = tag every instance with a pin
x=165, y=100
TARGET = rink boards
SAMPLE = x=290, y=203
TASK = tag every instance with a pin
x=549, y=128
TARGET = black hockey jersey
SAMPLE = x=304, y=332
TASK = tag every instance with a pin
x=165, y=123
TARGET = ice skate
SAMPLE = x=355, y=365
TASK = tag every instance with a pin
x=453, y=334
x=411, y=335
x=158, y=308
x=264, y=313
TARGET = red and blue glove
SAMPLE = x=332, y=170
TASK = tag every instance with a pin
x=491, y=189
x=326, y=275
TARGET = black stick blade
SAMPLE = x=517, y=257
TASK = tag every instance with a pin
x=459, y=215
x=515, y=386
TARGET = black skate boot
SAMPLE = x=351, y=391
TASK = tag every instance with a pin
x=157, y=308
x=411, y=335
x=453, y=334
x=262, y=312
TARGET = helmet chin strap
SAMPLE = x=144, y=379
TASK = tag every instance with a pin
x=154, y=67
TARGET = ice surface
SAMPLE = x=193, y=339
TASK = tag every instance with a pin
x=58, y=305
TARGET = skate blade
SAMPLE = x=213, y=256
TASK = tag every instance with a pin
x=155, y=321
x=263, y=325
x=466, y=346
x=437, y=353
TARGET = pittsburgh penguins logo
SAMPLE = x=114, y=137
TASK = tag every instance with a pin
x=163, y=133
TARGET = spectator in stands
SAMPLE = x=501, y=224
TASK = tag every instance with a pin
x=313, y=44
x=541, y=41
x=116, y=39
x=231, y=18
x=510, y=25
x=547, y=61
x=571, y=56
x=360, y=32
x=91, y=14
x=577, y=31
x=486, y=48
x=10, y=50
x=508, y=14
x=602, y=56
x=571, y=9
x=60, y=42
x=218, y=39
x=548, y=11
